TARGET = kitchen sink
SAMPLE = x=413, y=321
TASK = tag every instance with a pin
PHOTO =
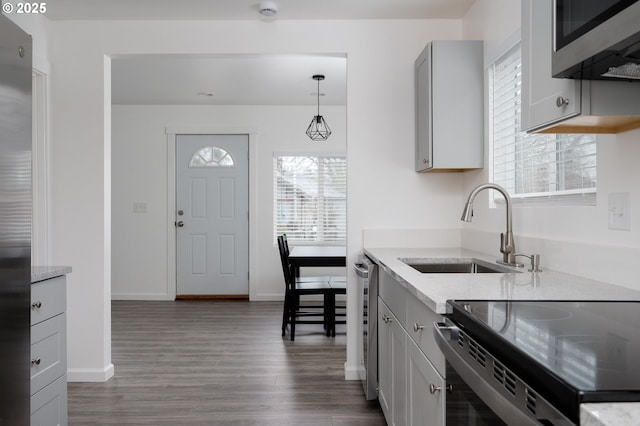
x=455, y=266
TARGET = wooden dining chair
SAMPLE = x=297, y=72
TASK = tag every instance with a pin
x=338, y=285
x=299, y=278
x=293, y=312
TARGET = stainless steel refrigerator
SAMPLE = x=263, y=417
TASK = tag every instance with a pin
x=15, y=223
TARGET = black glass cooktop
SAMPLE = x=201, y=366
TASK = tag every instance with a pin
x=569, y=352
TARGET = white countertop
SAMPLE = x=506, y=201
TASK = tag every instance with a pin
x=435, y=289
x=41, y=273
x=605, y=414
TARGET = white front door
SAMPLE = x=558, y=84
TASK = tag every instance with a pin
x=212, y=214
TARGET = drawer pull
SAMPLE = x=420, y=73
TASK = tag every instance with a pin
x=417, y=327
x=36, y=305
x=36, y=361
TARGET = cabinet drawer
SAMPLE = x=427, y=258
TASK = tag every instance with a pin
x=49, y=406
x=48, y=298
x=394, y=295
x=48, y=352
x=420, y=321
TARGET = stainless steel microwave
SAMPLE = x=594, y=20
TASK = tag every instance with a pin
x=596, y=39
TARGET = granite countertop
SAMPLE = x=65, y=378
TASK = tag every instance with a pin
x=435, y=289
x=41, y=273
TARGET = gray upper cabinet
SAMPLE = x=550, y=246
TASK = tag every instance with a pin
x=539, y=106
x=449, y=106
x=553, y=105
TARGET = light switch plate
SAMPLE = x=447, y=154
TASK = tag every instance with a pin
x=620, y=211
x=139, y=206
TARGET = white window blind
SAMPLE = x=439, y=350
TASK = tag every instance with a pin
x=310, y=202
x=527, y=165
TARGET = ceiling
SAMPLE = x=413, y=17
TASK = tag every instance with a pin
x=238, y=79
x=228, y=79
x=247, y=9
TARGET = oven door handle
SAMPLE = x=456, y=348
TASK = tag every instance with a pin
x=500, y=405
x=360, y=270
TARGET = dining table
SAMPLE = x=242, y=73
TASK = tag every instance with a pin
x=304, y=256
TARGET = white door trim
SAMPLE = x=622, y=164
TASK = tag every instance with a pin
x=40, y=233
x=171, y=132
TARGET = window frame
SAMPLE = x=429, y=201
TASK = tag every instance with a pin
x=582, y=196
x=324, y=214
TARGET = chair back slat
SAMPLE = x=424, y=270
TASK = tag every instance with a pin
x=284, y=260
x=286, y=244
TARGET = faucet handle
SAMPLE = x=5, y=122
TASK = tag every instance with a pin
x=502, y=246
x=535, y=262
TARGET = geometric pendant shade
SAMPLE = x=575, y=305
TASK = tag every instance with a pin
x=318, y=129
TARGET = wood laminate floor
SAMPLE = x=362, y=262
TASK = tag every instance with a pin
x=209, y=362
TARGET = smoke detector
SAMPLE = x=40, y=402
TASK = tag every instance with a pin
x=268, y=8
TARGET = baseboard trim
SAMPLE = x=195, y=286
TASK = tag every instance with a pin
x=90, y=374
x=140, y=296
x=351, y=373
x=267, y=297
x=212, y=297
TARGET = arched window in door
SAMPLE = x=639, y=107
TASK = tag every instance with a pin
x=211, y=156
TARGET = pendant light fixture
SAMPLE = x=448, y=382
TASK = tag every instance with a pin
x=318, y=129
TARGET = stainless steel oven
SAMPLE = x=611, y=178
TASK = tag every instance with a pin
x=480, y=391
x=463, y=406
x=536, y=362
x=367, y=272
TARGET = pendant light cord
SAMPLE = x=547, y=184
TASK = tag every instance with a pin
x=318, y=97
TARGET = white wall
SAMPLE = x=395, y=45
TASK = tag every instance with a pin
x=573, y=239
x=139, y=162
x=379, y=133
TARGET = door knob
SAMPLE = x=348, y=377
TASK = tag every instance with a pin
x=180, y=224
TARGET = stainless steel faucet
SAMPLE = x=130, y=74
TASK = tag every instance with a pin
x=507, y=243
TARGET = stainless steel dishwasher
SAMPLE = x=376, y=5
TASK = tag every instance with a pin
x=367, y=272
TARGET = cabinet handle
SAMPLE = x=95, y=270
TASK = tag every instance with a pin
x=417, y=327
x=433, y=388
x=386, y=318
x=425, y=161
x=560, y=101
x=36, y=361
x=36, y=305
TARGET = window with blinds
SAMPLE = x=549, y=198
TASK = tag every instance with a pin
x=532, y=166
x=310, y=198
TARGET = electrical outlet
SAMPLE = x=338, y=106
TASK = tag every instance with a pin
x=139, y=206
x=620, y=211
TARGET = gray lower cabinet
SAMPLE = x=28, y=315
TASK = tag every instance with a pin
x=410, y=365
x=449, y=106
x=392, y=379
x=425, y=389
x=559, y=105
x=49, y=353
